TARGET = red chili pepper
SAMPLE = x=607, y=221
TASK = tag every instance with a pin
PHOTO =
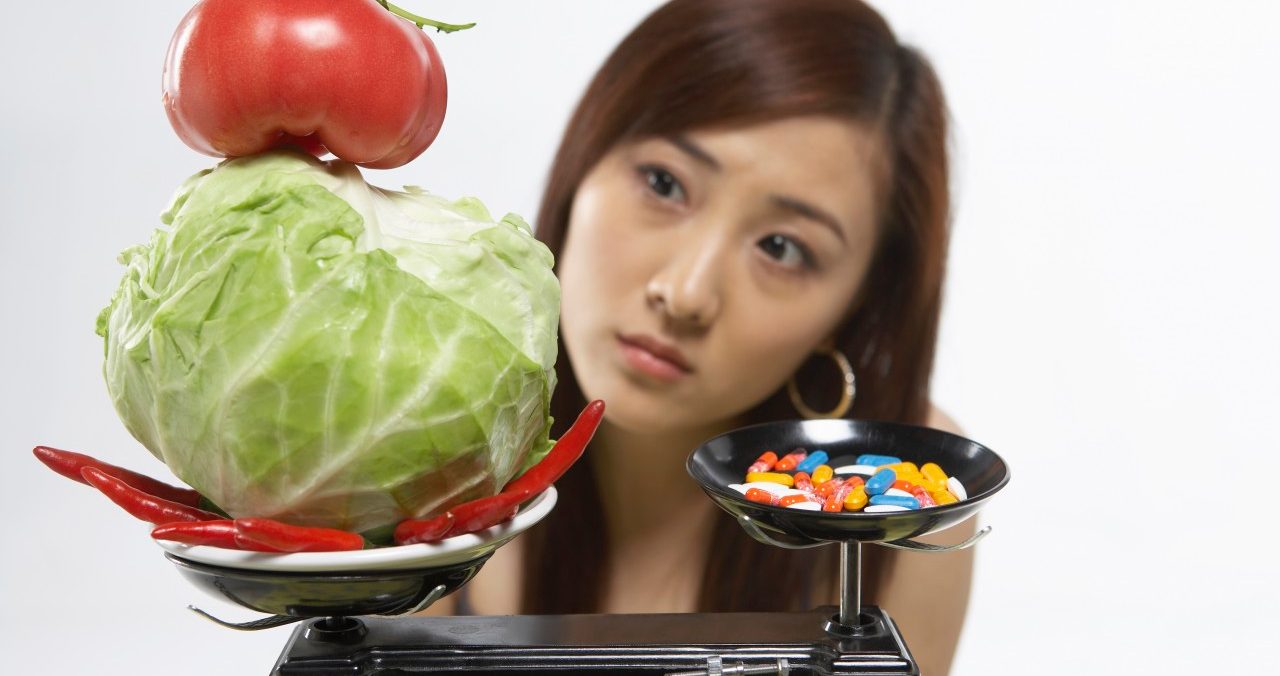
x=562, y=456
x=288, y=538
x=413, y=531
x=470, y=517
x=220, y=533
x=141, y=504
x=476, y=515
x=69, y=464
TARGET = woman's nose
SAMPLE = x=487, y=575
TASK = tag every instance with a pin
x=687, y=288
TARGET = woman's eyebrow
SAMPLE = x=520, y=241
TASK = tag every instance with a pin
x=812, y=213
x=695, y=151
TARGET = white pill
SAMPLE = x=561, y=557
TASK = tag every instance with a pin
x=876, y=509
x=865, y=470
x=776, y=489
x=898, y=492
x=957, y=489
x=791, y=491
x=739, y=487
x=806, y=506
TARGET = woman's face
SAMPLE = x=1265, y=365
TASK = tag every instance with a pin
x=700, y=271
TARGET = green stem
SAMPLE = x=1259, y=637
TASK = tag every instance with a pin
x=420, y=21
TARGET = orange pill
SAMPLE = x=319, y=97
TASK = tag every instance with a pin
x=789, y=500
x=790, y=460
x=761, y=496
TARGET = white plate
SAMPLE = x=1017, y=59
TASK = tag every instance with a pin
x=446, y=552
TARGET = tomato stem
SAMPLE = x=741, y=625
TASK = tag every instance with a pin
x=420, y=21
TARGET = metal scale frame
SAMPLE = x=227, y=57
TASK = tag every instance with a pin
x=347, y=624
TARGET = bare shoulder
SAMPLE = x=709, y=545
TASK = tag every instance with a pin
x=939, y=420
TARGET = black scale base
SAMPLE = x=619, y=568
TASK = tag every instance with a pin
x=725, y=643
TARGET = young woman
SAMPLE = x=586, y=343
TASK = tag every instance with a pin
x=748, y=209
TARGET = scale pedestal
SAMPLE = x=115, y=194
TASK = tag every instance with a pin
x=688, y=643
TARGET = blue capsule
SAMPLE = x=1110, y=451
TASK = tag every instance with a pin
x=881, y=482
x=909, y=503
x=811, y=463
x=877, y=460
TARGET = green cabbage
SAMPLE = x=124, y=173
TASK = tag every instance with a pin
x=303, y=346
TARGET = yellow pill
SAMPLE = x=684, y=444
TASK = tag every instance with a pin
x=943, y=497
x=934, y=478
x=856, y=500
x=771, y=477
x=900, y=468
x=822, y=474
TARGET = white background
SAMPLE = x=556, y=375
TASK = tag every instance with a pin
x=1108, y=325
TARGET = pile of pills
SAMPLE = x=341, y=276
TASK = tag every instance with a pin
x=874, y=483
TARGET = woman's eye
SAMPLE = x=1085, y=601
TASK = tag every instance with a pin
x=662, y=183
x=786, y=251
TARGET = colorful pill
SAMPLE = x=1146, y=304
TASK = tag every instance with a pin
x=825, y=490
x=802, y=481
x=739, y=487
x=957, y=489
x=904, y=485
x=764, y=463
x=822, y=474
x=876, y=460
x=898, y=492
x=807, y=506
x=901, y=468
x=790, y=460
x=933, y=476
x=788, y=500
x=943, y=497
x=856, y=499
x=865, y=470
x=767, y=486
x=881, y=482
x=835, y=503
x=923, y=496
x=761, y=496
x=876, y=509
x=771, y=477
x=855, y=481
x=812, y=461
x=908, y=501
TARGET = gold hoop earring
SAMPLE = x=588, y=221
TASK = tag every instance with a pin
x=846, y=395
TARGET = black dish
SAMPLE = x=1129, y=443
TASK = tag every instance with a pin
x=723, y=460
x=378, y=592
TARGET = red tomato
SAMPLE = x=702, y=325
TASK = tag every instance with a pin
x=243, y=76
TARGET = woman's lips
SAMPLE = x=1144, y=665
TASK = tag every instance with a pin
x=654, y=358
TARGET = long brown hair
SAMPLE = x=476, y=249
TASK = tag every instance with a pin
x=699, y=64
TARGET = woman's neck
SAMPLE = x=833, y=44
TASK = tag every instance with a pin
x=644, y=488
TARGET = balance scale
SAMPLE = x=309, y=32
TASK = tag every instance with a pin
x=346, y=602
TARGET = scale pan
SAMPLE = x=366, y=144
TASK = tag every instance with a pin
x=723, y=460
x=381, y=581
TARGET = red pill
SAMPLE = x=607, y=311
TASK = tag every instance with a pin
x=923, y=496
x=761, y=496
x=835, y=503
x=803, y=482
x=764, y=463
x=903, y=485
x=790, y=460
x=855, y=481
x=789, y=500
x=825, y=490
